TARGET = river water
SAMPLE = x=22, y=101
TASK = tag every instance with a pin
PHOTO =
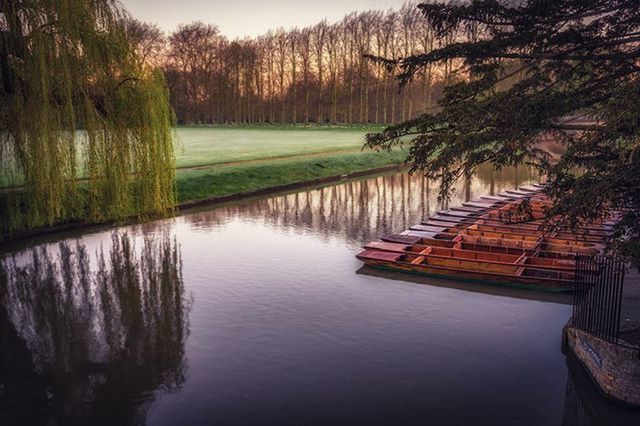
x=259, y=313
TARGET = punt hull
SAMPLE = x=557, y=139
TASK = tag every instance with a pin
x=523, y=282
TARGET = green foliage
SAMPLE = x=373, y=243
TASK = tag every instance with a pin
x=66, y=66
x=532, y=68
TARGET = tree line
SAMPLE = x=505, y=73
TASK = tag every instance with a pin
x=316, y=74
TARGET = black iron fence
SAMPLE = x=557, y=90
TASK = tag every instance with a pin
x=598, y=295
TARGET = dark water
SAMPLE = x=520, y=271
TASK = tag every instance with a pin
x=259, y=313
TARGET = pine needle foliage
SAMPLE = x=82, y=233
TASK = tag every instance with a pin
x=76, y=103
x=531, y=68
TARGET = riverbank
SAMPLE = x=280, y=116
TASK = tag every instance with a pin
x=239, y=178
x=245, y=180
x=611, y=361
x=222, y=163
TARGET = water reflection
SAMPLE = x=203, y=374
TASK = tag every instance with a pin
x=363, y=210
x=585, y=406
x=88, y=341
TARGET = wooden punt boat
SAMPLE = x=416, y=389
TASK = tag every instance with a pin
x=471, y=221
x=451, y=225
x=483, y=204
x=468, y=243
x=427, y=234
x=573, y=245
x=515, y=195
x=498, y=198
x=531, y=188
x=504, y=228
x=519, y=192
x=477, y=242
x=591, y=231
x=419, y=234
x=537, y=224
x=505, y=242
x=537, y=252
x=479, y=260
x=529, y=231
x=453, y=219
x=523, y=276
x=568, y=248
x=500, y=235
x=471, y=209
x=593, y=234
x=402, y=239
x=430, y=228
x=457, y=213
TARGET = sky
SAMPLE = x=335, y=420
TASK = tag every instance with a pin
x=239, y=18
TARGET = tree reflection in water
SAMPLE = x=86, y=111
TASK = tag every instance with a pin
x=91, y=342
x=365, y=209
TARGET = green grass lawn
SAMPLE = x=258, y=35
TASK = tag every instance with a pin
x=233, y=160
x=234, y=179
x=198, y=146
x=256, y=157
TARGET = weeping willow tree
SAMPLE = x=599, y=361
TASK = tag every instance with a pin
x=85, y=127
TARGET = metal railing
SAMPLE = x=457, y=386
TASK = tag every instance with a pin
x=597, y=299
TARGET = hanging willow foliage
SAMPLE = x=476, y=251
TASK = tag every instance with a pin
x=85, y=128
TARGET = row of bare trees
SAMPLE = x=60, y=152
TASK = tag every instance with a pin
x=314, y=74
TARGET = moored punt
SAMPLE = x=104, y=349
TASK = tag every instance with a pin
x=453, y=219
x=471, y=209
x=498, y=198
x=539, y=279
x=528, y=231
x=530, y=188
x=432, y=235
x=483, y=240
x=430, y=228
x=519, y=192
x=500, y=235
x=483, y=204
x=457, y=213
x=403, y=239
x=580, y=231
x=450, y=225
x=515, y=195
x=482, y=219
x=476, y=260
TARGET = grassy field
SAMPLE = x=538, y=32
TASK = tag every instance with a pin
x=234, y=179
x=198, y=146
x=219, y=161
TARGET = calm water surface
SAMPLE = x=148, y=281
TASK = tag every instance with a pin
x=259, y=313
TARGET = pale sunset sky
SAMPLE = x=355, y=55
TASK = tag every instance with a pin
x=239, y=18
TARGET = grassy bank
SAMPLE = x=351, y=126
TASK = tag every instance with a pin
x=215, y=162
x=228, y=180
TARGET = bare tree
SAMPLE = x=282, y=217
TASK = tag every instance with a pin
x=305, y=62
x=319, y=40
x=192, y=52
x=409, y=16
x=332, y=55
x=318, y=73
x=292, y=39
x=148, y=40
x=281, y=51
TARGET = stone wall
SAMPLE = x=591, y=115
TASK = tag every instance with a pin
x=615, y=368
